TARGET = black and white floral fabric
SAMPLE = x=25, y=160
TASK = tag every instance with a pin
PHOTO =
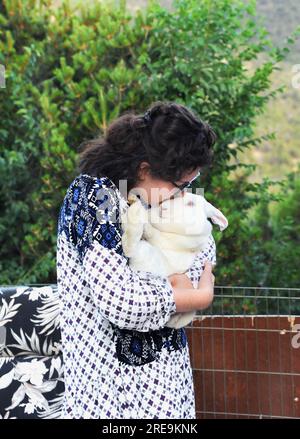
x=31, y=364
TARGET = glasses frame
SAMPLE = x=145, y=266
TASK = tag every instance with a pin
x=185, y=184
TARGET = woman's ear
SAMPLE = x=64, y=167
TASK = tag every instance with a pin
x=215, y=215
x=143, y=171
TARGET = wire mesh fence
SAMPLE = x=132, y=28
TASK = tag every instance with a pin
x=245, y=354
x=254, y=300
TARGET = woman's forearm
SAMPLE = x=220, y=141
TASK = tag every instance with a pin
x=192, y=299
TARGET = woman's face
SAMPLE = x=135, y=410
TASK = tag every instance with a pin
x=154, y=190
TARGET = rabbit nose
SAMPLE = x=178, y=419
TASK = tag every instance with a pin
x=190, y=203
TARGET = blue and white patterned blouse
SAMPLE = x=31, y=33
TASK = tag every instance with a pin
x=120, y=362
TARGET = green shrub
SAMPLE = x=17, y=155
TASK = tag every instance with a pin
x=70, y=73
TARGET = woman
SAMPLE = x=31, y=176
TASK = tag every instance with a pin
x=120, y=361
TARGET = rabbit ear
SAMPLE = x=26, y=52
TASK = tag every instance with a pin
x=215, y=215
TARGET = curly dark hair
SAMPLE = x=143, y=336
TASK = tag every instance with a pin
x=169, y=136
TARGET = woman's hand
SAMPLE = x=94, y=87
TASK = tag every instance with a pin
x=180, y=280
x=207, y=279
x=187, y=297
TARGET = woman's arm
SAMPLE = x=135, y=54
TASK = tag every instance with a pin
x=128, y=298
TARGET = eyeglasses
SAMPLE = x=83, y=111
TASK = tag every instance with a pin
x=180, y=187
x=185, y=184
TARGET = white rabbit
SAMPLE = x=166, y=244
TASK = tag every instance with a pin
x=166, y=238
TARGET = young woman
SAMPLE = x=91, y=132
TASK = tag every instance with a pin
x=120, y=361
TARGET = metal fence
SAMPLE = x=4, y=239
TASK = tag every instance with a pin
x=245, y=354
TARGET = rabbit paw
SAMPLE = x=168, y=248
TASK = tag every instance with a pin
x=133, y=222
x=136, y=213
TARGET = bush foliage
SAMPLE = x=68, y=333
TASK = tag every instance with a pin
x=70, y=72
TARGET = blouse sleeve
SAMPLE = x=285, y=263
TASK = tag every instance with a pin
x=196, y=269
x=128, y=298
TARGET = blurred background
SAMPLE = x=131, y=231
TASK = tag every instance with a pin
x=71, y=67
